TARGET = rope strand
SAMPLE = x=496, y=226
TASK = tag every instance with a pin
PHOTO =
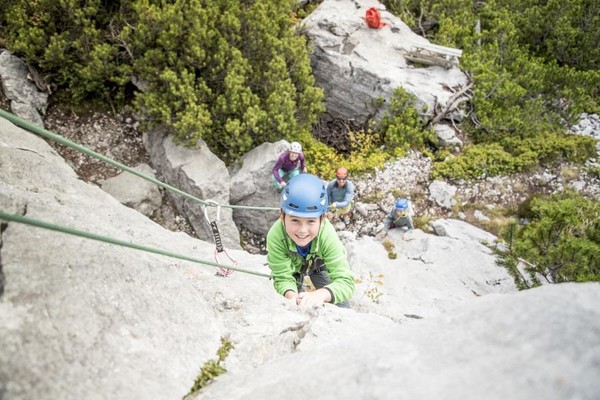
x=106, y=239
x=57, y=138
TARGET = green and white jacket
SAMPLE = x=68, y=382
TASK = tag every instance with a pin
x=285, y=261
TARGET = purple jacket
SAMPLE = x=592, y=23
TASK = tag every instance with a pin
x=284, y=163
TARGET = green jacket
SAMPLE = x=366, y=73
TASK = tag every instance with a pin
x=285, y=261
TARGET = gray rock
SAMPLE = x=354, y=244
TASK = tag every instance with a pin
x=251, y=185
x=198, y=172
x=82, y=319
x=494, y=348
x=79, y=319
x=27, y=101
x=442, y=194
x=130, y=190
x=358, y=66
x=447, y=136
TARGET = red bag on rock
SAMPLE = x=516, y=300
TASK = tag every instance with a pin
x=374, y=18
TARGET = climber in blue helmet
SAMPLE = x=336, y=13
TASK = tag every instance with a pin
x=302, y=242
x=400, y=216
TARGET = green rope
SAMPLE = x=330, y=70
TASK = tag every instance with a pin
x=93, y=236
x=57, y=138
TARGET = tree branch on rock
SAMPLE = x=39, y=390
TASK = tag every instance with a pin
x=461, y=96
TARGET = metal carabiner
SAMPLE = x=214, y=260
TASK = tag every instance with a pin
x=225, y=271
x=217, y=237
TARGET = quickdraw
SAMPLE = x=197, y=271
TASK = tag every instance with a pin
x=225, y=272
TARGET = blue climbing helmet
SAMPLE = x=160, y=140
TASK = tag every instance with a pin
x=401, y=204
x=304, y=196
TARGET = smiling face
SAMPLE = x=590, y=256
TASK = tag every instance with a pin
x=293, y=156
x=301, y=230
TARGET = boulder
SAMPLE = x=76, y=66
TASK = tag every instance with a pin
x=199, y=173
x=251, y=185
x=141, y=195
x=360, y=67
x=26, y=100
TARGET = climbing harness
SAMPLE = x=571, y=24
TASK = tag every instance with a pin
x=225, y=272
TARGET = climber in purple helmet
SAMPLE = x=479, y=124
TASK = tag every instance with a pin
x=289, y=164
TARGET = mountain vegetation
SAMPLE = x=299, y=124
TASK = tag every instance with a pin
x=536, y=67
x=232, y=73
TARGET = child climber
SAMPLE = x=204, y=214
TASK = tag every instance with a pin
x=304, y=243
x=400, y=216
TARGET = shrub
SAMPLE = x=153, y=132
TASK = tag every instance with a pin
x=478, y=161
x=529, y=79
x=562, y=241
x=70, y=41
x=364, y=155
x=233, y=75
x=515, y=154
x=212, y=368
x=402, y=128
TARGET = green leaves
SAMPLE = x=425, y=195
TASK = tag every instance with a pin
x=561, y=241
x=562, y=238
x=212, y=368
x=242, y=63
x=535, y=69
x=233, y=74
x=402, y=127
x=515, y=153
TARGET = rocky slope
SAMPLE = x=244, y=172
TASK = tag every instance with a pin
x=81, y=319
x=486, y=203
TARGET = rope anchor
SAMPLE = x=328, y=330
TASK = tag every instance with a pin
x=225, y=272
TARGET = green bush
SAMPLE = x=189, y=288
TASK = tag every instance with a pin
x=235, y=75
x=402, y=127
x=365, y=155
x=560, y=243
x=212, y=368
x=515, y=154
x=70, y=42
x=548, y=148
x=478, y=161
x=533, y=70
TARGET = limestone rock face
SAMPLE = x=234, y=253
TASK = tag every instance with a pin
x=134, y=192
x=80, y=319
x=26, y=100
x=358, y=66
x=200, y=173
x=495, y=348
x=252, y=184
x=86, y=319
